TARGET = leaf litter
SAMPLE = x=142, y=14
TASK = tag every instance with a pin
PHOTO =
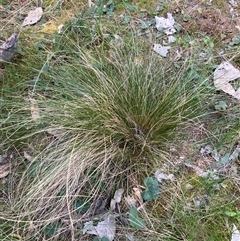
x=223, y=74
x=214, y=163
x=161, y=176
x=161, y=50
x=105, y=228
x=235, y=234
x=117, y=198
x=33, y=17
x=165, y=25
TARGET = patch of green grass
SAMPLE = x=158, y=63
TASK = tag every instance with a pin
x=195, y=212
x=105, y=118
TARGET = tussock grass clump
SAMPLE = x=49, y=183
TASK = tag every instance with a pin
x=106, y=121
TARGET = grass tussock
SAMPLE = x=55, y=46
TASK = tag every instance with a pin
x=105, y=122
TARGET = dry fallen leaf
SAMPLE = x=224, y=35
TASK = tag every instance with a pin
x=235, y=153
x=171, y=39
x=166, y=24
x=118, y=195
x=105, y=228
x=4, y=170
x=235, y=234
x=33, y=17
x=223, y=74
x=160, y=176
x=117, y=198
x=130, y=237
x=161, y=50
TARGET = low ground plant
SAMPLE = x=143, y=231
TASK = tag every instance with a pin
x=105, y=120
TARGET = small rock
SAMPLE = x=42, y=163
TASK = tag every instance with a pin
x=8, y=48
